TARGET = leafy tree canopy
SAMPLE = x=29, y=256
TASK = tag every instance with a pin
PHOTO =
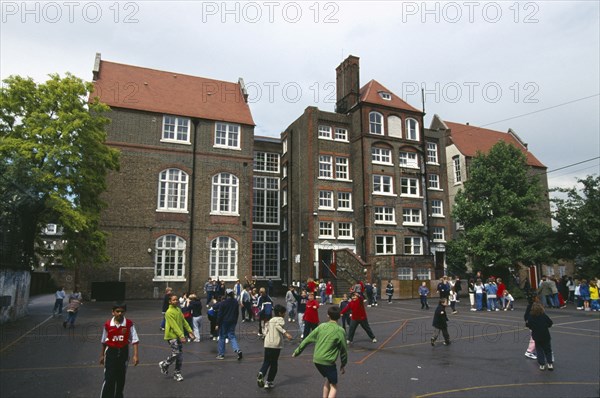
x=53, y=167
x=577, y=236
x=503, y=210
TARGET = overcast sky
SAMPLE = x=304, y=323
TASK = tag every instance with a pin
x=532, y=66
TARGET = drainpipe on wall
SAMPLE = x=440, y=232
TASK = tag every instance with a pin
x=192, y=204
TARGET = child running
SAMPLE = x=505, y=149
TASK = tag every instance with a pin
x=273, y=345
x=330, y=342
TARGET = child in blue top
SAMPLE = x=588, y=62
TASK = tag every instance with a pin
x=423, y=293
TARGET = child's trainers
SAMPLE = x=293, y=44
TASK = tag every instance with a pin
x=550, y=367
x=260, y=380
x=177, y=376
x=164, y=368
x=269, y=384
x=542, y=367
x=239, y=355
x=433, y=341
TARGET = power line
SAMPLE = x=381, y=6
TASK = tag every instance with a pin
x=543, y=109
x=573, y=164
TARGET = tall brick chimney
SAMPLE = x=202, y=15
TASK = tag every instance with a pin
x=347, y=84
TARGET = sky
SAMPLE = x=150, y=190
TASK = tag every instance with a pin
x=532, y=66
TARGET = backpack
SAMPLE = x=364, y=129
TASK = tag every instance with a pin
x=267, y=309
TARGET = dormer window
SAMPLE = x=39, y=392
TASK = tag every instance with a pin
x=385, y=96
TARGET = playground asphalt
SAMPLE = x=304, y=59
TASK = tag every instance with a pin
x=40, y=358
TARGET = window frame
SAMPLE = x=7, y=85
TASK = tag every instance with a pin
x=434, y=207
x=228, y=135
x=432, y=153
x=266, y=242
x=408, y=160
x=344, y=200
x=412, y=133
x=406, y=188
x=409, y=242
x=326, y=167
x=342, y=168
x=376, y=123
x=378, y=158
x=326, y=196
x=232, y=252
x=165, y=187
x=269, y=163
x=325, y=132
x=324, y=227
x=383, y=184
x=383, y=244
x=174, y=250
x=433, y=182
x=265, y=191
x=217, y=193
x=348, y=229
x=412, y=216
x=384, y=215
x=175, y=131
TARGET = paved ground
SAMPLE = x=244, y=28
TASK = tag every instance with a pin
x=38, y=358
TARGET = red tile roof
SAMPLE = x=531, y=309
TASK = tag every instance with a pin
x=470, y=139
x=133, y=87
x=370, y=93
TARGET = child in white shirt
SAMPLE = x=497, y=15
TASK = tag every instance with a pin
x=508, y=301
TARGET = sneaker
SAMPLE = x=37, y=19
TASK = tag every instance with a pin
x=269, y=384
x=530, y=355
x=260, y=335
x=497, y=309
x=226, y=341
x=239, y=354
x=348, y=342
x=177, y=376
x=196, y=340
x=550, y=367
x=432, y=341
x=446, y=343
x=220, y=356
x=542, y=367
x=374, y=340
x=473, y=309
x=455, y=312
x=164, y=367
x=260, y=380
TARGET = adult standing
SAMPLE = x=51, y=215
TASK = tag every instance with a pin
x=227, y=316
x=175, y=328
x=117, y=334
x=458, y=288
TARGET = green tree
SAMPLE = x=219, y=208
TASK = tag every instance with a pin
x=504, y=213
x=577, y=236
x=53, y=167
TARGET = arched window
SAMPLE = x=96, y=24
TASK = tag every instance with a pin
x=223, y=258
x=395, y=126
x=225, y=189
x=172, y=190
x=169, y=257
x=412, y=129
x=375, y=123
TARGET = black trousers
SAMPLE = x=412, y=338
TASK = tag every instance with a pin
x=364, y=324
x=270, y=363
x=115, y=368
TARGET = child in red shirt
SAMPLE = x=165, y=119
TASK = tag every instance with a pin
x=311, y=314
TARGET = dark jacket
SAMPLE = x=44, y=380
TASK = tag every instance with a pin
x=539, y=326
x=196, y=308
x=440, y=319
x=228, y=311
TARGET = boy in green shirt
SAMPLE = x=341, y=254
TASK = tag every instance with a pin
x=330, y=342
x=175, y=326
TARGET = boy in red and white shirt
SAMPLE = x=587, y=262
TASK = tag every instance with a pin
x=117, y=334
